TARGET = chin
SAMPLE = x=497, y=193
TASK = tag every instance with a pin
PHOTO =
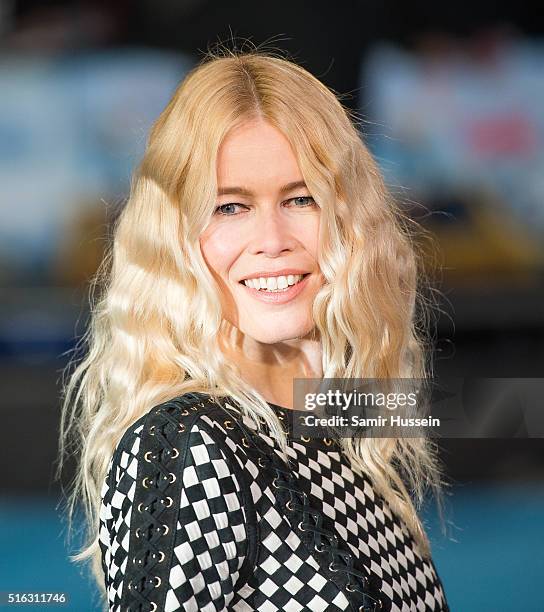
x=273, y=334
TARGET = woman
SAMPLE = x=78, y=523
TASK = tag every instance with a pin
x=259, y=245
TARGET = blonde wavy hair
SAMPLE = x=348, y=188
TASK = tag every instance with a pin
x=154, y=327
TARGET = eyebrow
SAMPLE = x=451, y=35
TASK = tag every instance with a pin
x=246, y=192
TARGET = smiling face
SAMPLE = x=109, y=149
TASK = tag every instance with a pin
x=261, y=244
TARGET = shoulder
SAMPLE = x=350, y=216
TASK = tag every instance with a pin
x=173, y=476
x=193, y=425
x=180, y=415
x=177, y=454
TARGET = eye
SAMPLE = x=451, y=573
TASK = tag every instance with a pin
x=226, y=209
x=303, y=201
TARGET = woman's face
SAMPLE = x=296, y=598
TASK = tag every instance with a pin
x=263, y=236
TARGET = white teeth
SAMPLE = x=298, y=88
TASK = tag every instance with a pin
x=273, y=283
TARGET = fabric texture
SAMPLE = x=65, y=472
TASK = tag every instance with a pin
x=199, y=513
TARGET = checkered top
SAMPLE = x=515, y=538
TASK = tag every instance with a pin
x=194, y=517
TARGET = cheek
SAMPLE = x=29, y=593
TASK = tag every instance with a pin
x=218, y=251
x=309, y=237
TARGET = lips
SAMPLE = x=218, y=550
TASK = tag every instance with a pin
x=303, y=274
x=266, y=274
x=277, y=297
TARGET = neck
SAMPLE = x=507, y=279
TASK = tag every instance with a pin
x=271, y=368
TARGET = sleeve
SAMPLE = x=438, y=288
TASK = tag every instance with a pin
x=173, y=519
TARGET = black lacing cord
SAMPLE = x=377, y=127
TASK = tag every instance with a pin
x=299, y=502
x=356, y=580
x=154, y=504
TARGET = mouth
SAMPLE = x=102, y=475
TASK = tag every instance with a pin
x=274, y=284
x=276, y=289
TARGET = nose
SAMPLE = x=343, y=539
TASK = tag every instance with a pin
x=272, y=234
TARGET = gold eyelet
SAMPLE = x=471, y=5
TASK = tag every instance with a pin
x=161, y=558
x=185, y=412
x=171, y=502
x=327, y=441
x=141, y=507
x=196, y=407
x=145, y=456
x=245, y=442
x=174, y=450
x=181, y=427
x=305, y=438
x=227, y=426
x=143, y=483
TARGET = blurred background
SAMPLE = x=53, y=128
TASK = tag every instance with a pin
x=451, y=98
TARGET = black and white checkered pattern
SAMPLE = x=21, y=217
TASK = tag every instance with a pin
x=236, y=547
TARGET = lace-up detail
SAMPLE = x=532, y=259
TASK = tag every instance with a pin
x=311, y=520
x=324, y=541
x=159, y=486
x=200, y=512
x=288, y=417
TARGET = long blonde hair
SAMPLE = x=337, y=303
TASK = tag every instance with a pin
x=155, y=323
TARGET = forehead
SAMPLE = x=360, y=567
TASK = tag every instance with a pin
x=256, y=152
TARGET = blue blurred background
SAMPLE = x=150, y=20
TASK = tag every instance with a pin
x=452, y=105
